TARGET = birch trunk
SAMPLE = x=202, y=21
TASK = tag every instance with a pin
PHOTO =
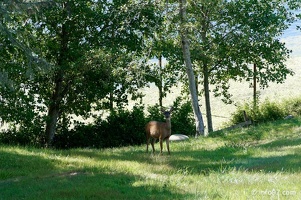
x=199, y=124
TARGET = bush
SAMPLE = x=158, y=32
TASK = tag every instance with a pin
x=154, y=113
x=270, y=111
x=23, y=135
x=124, y=128
x=265, y=112
x=293, y=106
x=182, y=119
x=80, y=136
x=121, y=128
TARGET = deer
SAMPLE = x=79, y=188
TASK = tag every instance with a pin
x=159, y=130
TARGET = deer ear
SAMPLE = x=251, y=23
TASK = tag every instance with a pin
x=171, y=109
x=162, y=109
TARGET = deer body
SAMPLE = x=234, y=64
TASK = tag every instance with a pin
x=159, y=130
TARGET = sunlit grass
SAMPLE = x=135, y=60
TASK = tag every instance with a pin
x=261, y=162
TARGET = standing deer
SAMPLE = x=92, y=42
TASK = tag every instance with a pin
x=159, y=130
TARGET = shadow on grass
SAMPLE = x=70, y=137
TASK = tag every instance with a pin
x=222, y=159
x=86, y=186
x=280, y=143
x=237, y=150
x=287, y=163
x=35, y=177
x=14, y=165
x=278, y=155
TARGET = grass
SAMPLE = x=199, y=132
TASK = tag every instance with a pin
x=261, y=162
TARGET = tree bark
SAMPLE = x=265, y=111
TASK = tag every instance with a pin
x=160, y=83
x=207, y=98
x=53, y=115
x=206, y=73
x=189, y=70
x=54, y=110
x=254, y=87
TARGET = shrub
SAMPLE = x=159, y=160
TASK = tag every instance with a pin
x=293, y=106
x=182, y=119
x=23, y=135
x=264, y=112
x=121, y=128
x=80, y=136
x=270, y=111
x=154, y=113
x=124, y=128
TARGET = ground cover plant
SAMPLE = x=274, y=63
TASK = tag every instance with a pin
x=259, y=162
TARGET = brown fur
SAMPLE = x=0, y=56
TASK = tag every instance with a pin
x=159, y=130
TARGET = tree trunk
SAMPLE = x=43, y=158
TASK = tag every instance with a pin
x=254, y=87
x=160, y=83
x=53, y=115
x=54, y=110
x=206, y=74
x=207, y=98
x=189, y=70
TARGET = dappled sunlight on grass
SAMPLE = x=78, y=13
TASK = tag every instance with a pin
x=240, y=164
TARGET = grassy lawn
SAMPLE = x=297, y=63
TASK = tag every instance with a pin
x=262, y=162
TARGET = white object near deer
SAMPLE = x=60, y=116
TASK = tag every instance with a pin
x=159, y=130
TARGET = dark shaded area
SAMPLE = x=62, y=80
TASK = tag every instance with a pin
x=44, y=181
x=120, y=128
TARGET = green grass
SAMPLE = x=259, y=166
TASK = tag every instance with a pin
x=262, y=162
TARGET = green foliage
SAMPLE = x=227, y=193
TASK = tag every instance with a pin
x=120, y=128
x=293, y=106
x=182, y=118
x=236, y=34
x=155, y=113
x=85, y=47
x=267, y=111
x=68, y=56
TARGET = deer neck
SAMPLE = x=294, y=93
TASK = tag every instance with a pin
x=168, y=124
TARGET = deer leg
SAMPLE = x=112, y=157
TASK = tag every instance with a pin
x=167, y=145
x=153, y=141
x=147, y=143
x=161, y=145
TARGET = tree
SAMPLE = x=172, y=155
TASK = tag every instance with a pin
x=164, y=76
x=128, y=54
x=11, y=12
x=76, y=38
x=159, y=48
x=229, y=36
x=18, y=62
x=191, y=77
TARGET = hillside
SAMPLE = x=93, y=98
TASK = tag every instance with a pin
x=261, y=162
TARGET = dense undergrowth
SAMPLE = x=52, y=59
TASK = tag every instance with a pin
x=126, y=127
x=119, y=128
